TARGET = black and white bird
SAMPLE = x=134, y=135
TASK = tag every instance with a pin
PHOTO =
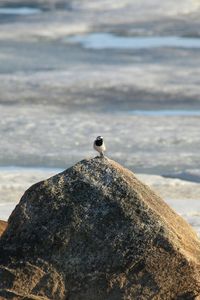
x=99, y=145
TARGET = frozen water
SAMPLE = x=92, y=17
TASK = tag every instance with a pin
x=189, y=210
x=110, y=41
x=5, y=210
x=23, y=11
x=174, y=112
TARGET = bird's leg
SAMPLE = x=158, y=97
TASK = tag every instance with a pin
x=101, y=154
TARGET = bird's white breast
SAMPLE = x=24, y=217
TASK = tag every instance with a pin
x=101, y=148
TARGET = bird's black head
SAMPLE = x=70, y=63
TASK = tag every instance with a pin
x=99, y=141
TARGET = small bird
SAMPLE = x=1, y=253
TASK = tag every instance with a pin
x=99, y=145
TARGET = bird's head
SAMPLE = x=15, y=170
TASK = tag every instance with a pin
x=99, y=138
x=99, y=141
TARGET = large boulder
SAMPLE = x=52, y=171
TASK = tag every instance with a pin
x=95, y=231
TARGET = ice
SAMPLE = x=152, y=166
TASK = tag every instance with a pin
x=5, y=210
x=110, y=41
x=146, y=7
x=55, y=137
x=23, y=11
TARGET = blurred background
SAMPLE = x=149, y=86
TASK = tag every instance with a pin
x=127, y=70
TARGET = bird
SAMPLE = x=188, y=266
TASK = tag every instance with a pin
x=99, y=145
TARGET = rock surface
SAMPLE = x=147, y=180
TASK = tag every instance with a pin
x=95, y=231
x=3, y=226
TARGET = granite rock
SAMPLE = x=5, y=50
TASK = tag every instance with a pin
x=95, y=231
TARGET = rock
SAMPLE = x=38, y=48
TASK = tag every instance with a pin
x=95, y=232
x=3, y=226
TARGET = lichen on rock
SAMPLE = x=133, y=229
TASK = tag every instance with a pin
x=95, y=231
